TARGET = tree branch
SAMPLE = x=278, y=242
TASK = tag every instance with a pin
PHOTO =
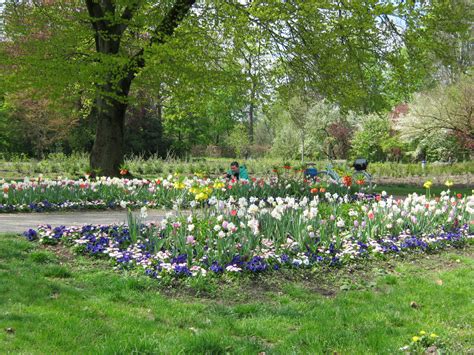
x=96, y=13
x=128, y=14
x=171, y=20
x=164, y=29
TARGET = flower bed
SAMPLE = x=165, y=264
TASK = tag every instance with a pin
x=40, y=195
x=256, y=235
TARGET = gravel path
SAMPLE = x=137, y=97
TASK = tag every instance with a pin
x=19, y=222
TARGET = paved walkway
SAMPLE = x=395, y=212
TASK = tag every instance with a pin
x=19, y=222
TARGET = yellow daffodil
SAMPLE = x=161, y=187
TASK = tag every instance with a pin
x=201, y=196
x=428, y=184
x=179, y=185
x=449, y=183
x=415, y=338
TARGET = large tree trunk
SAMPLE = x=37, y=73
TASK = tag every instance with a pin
x=107, y=151
x=109, y=112
x=111, y=102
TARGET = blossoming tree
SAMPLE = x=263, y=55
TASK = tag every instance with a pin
x=357, y=53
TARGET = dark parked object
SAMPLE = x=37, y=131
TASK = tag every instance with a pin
x=361, y=164
x=310, y=173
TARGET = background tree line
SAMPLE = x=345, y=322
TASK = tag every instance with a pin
x=311, y=79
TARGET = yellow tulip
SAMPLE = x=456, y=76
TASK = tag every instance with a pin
x=219, y=185
x=415, y=338
x=433, y=335
x=428, y=184
x=422, y=332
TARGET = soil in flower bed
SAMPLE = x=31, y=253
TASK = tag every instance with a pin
x=329, y=282
x=58, y=304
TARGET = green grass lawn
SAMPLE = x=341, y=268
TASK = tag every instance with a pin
x=53, y=302
x=404, y=190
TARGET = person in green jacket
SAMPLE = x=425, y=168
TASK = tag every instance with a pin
x=237, y=172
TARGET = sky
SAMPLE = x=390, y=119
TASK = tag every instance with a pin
x=2, y=33
x=2, y=2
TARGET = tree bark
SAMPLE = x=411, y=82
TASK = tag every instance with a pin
x=302, y=147
x=251, y=122
x=251, y=115
x=108, y=149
